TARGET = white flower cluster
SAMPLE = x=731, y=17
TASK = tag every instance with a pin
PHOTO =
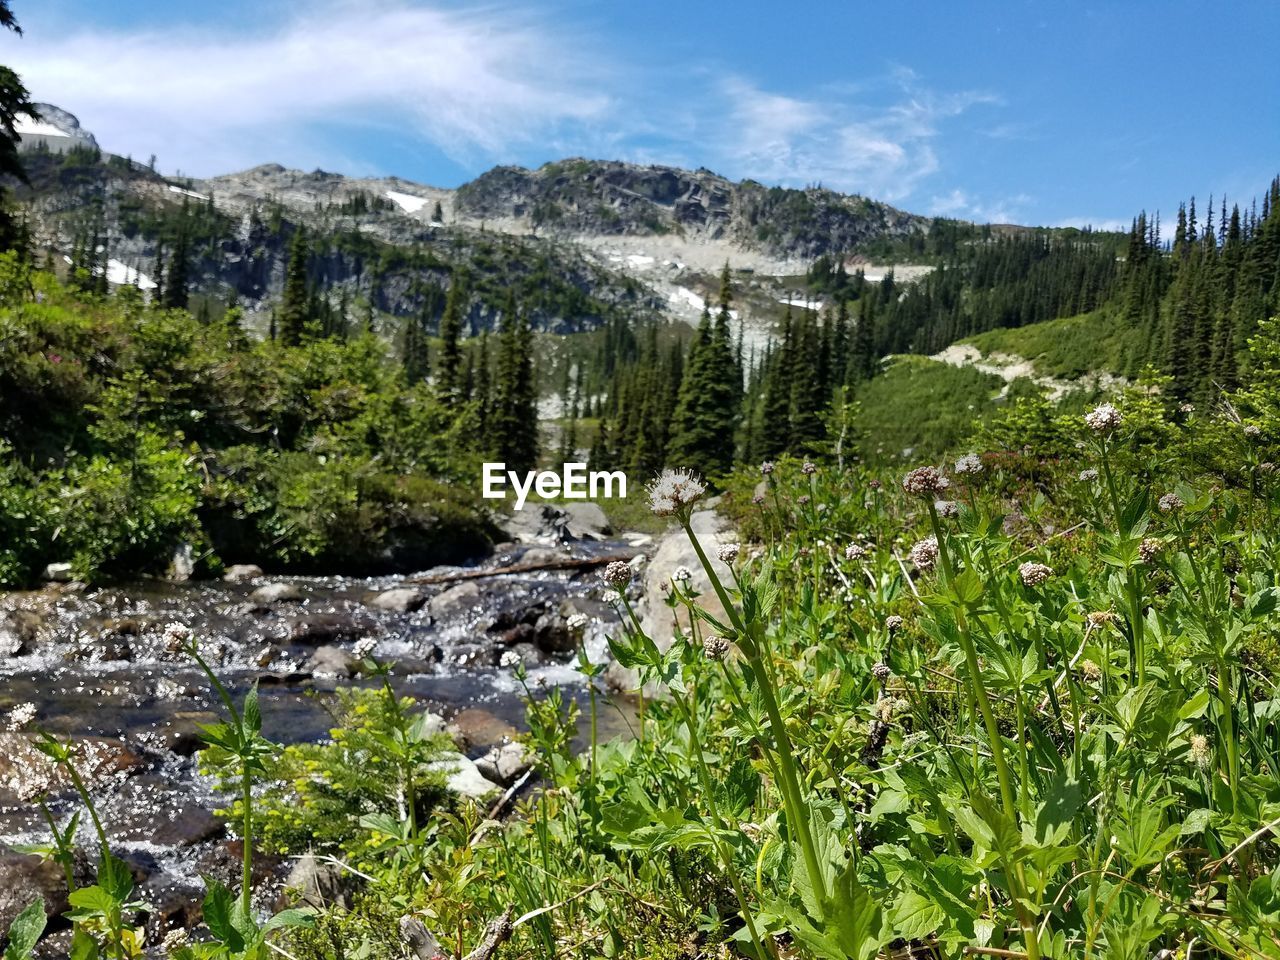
x=674, y=490
x=1103, y=418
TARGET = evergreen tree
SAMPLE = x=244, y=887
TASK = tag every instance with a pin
x=293, y=317
x=416, y=350
x=449, y=367
x=14, y=102
x=515, y=415
x=176, y=295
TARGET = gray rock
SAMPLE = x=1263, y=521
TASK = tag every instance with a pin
x=25, y=772
x=463, y=777
x=58, y=572
x=330, y=662
x=457, y=599
x=586, y=521
x=23, y=878
x=551, y=634
x=477, y=728
x=504, y=764
x=182, y=565
x=276, y=593
x=319, y=884
x=20, y=631
x=241, y=571
x=322, y=628
x=399, y=600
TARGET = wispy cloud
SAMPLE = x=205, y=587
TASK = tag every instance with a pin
x=471, y=83
x=964, y=206
x=844, y=139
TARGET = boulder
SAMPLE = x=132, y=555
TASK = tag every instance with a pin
x=457, y=599
x=674, y=551
x=463, y=777
x=58, y=572
x=330, y=662
x=552, y=634
x=238, y=572
x=399, y=600
x=504, y=764
x=276, y=593
x=586, y=521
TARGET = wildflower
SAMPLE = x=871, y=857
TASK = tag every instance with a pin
x=715, y=648
x=1149, y=550
x=803, y=499
x=874, y=484
x=1033, y=574
x=1100, y=618
x=970, y=463
x=176, y=637
x=728, y=553
x=1103, y=419
x=946, y=508
x=1187, y=408
x=809, y=468
x=1090, y=671
x=174, y=941
x=364, y=648
x=855, y=551
x=611, y=596
x=925, y=553
x=758, y=499
x=1200, y=750
x=1170, y=502
x=617, y=574
x=682, y=575
x=766, y=468
x=893, y=623
x=674, y=491
x=1088, y=476
x=509, y=659
x=1252, y=431
x=1267, y=467
x=20, y=716
x=577, y=621
x=925, y=481
x=881, y=672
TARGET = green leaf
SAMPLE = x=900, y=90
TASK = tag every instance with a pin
x=92, y=902
x=83, y=946
x=115, y=877
x=291, y=919
x=25, y=931
x=217, y=915
x=252, y=713
x=915, y=916
x=967, y=587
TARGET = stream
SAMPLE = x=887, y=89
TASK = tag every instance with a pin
x=94, y=663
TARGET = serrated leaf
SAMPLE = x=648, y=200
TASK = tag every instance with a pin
x=25, y=931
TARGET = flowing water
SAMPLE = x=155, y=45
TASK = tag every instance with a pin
x=95, y=664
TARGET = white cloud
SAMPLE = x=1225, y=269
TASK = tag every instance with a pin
x=884, y=151
x=964, y=206
x=472, y=83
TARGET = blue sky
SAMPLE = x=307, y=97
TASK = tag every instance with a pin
x=1033, y=112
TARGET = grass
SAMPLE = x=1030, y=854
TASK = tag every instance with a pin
x=1067, y=348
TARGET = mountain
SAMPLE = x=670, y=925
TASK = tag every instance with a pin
x=581, y=241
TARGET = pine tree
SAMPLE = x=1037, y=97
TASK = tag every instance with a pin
x=515, y=415
x=416, y=350
x=449, y=367
x=176, y=295
x=293, y=315
x=14, y=101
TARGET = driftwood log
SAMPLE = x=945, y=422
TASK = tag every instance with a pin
x=426, y=947
x=562, y=563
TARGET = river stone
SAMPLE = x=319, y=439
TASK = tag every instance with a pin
x=25, y=772
x=537, y=556
x=182, y=565
x=475, y=728
x=58, y=572
x=462, y=777
x=19, y=632
x=330, y=661
x=325, y=628
x=504, y=764
x=276, y=593
x=24, y=877
x=457, y=599
x=552, y=634
x=317, y=883
x=399, y=600
x=586, y=521
x=241, y=571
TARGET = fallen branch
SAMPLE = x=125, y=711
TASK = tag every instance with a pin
x=565, y=563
